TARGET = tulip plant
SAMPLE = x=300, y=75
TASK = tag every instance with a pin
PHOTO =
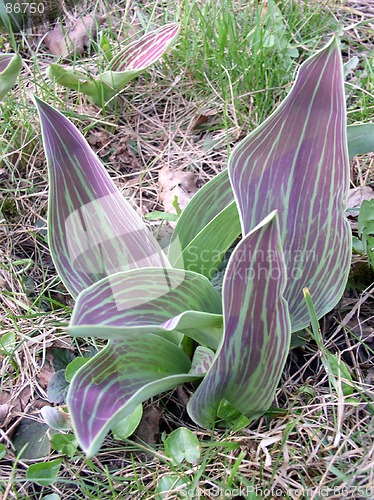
x=284, y=192
x=10, y=66
x=132, y=60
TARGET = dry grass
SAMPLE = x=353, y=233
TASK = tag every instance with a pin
x=322, y=446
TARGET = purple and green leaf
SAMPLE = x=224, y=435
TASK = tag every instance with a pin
x=296, y=162
x=202, y=360
x=10, y=65
x=93, y=231
x=120, y=377
x=157, y=300
x=249, y=363
x=124, y=67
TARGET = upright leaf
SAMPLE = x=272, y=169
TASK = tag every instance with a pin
x=124, y=67
x=93, y=231
x=250, y=361
x=110, y=386
x=204, y=252
x=206, y=204
x=297, y=162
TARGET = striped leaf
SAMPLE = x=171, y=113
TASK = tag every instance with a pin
x=93, y=231
x=216, y=196
x=297, y=162
x=10, y=66
x=159, y=300
x=140, y=54
x=250, y=361
x=110, y=386
x=202, y=360
x=124, y=67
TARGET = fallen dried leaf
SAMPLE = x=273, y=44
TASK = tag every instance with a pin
x=63, y=42
x=4, y=412
x=176, y=183
x=199, y=119
x=148, y=430
x=356, y=196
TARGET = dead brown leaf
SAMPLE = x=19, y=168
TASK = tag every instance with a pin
x=63, y=42
x=4, y=412
x=176, y=183
x=148, y=430
x=357, y=195
x=200, y=118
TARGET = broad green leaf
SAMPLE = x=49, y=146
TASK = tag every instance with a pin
x=296, y=162
x=32, y=438
x=172, y=483
x=93, y=231
x=73, y=367
x=123, y=67
x=57, y=387
x=61, y=358
x=213, y=198
x=127, y=426
x=204, y=252
x=182, y=444
x=250, y=360
x=44, y=473
x=2, y=450
x=360, y=139
x=10, y=66
x=112, y=384
x=65, y=444
x=7, y=343
x=159, y=300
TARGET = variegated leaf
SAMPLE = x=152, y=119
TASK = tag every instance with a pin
x=141, y=53
x=250, y=361
x=297, y=163
x=93, y=231
x=10, y=65
x=124, y=67
x=202, y=360
x=159, y=300
x=110, y=386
